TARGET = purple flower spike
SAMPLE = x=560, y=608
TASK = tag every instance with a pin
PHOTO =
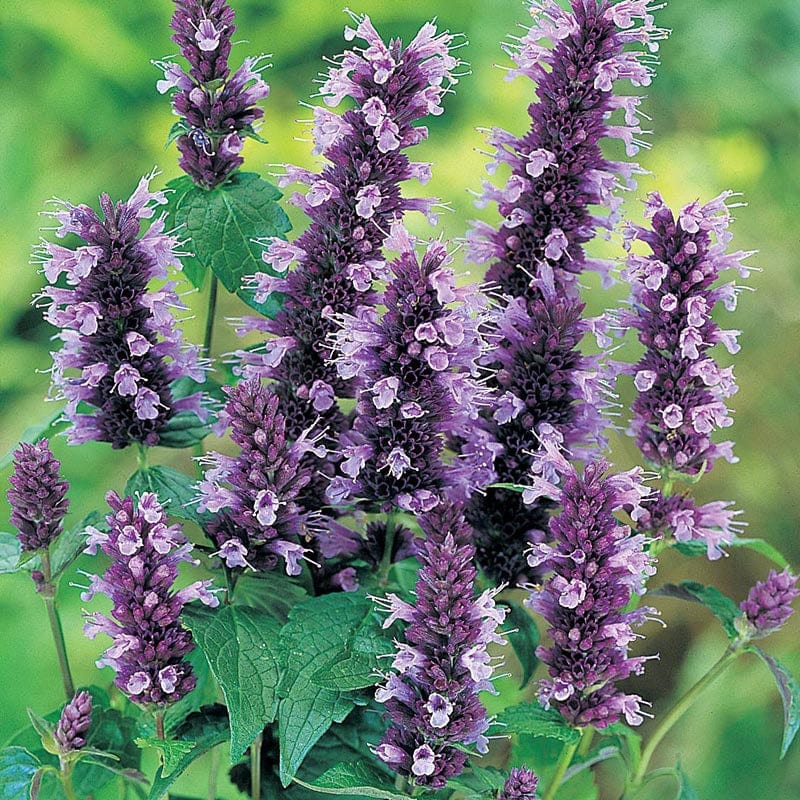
x=217, y=110
x=417, y=365
x=75, y=720
x=769, y=603
x=520, y=785
x=122, y=350
x=149, y=646
x=37, y=495
x=682, y=389
x=254, y=496
x=557, y=168
x=442, y=664
x=352, y=205
x=597, y=565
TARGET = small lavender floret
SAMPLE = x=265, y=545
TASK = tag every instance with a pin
x=255, y=496
x=769, y=603
x=37, y=495
x=520, y=785
x=150, y=645
x=122, y=350
x=217, y=109
x=75, y=720
x=597, y=565
x=442, y=662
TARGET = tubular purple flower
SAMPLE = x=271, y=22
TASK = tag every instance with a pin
x=37, y=496
x=520, y=785
x=255, y=496
x=75, y=720
x=597, y=565
x=352, y=205
x=149, y=647
x=122, y=351
x=418, y=366
x=769, y=603
x=442, y=663
x=216, y=109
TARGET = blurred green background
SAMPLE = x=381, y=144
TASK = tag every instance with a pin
x=80, y=115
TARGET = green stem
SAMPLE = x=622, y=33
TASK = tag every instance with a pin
x=159, y=718
x=255, y=767
x=142, y=457
x=66, y=781
x=49, y=595
x=678, y=710
x=230, y=582
x=401, y=783
x=213, y=773
x=388, y=548
x=210, y=314
x=564, y=760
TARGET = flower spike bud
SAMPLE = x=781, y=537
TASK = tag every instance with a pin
x=75, y=720
x=769, y=603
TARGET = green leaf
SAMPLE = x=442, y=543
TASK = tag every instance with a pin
x=269, y=308
x=204, y=692
x=698, y=548
x=206, y=729
x=273, y=593
x=178, y=129
x=532, y=719
x=477, y=782
x=524, y=639
x=173, y=488
x=630, y=742
x=41, y=430
x=17, y=770
x=171, y=751
x=241, y=646
x=596, y=757
x=72, y=542
x=685, y=789
x=9, y=553
x=789, y=691
x=183, y=430
x=316, y=628
x=44, y=729
x=222, y=225
x=712, y=598
x=356, y=778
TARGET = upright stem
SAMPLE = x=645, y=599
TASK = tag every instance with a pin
x=142, y=457
x=255, y=767
x=49, y=595
x=66, y=781
x=678, y=710
x=210, y=314
x=388, y=548
x=564, y=760
x=213, y=773
x=159, y=718
x=586, y=741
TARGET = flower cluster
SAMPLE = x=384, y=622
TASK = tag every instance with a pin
x=149, y=646
x=520, y=785
x=769, y=603
x=557, y=168
x=432, y=695
x=352, y=204
x=37, y=496
x=75, y=720
x=256, y=495
x=122, y=350
x=216, y=109
x=597, y=565
x=417, y=365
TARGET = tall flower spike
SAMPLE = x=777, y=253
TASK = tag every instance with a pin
x=149, y=647
x=520, y=785
x=75, y=720
x=597, y=566
x=352, y=204
x=217, y=110
x=122, y=351
x=254, y=495
x=442, y=664
x=557, y=169
x=769, y=603
x=38, y=496
x=417, y=365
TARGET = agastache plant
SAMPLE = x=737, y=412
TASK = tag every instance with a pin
x=121, y=348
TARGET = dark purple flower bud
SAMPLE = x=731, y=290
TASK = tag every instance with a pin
x=682, y=389
x=38, y=495
x=122, y=350
x=255, y=495
x=217, y=109
x=597, y=565
x=442, y=661
x=149, y=647
x=557, y=169
x=74, y=722
x=520, y=785
x=769, y=603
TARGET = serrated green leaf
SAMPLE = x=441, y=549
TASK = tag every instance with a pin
x=241, y=646
x=532, y=719
x=356, y=778
x=9, y=553
x=789, y=690
x=171, y=751
x=723, y=608
x=477, y=782
x=183, y=430
x=524, y=639
x=273, y=593
x=17, y=770
x=173, y=488
x=223, y=224
x=44, y=729
x=316, y=628
x=698, y=548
